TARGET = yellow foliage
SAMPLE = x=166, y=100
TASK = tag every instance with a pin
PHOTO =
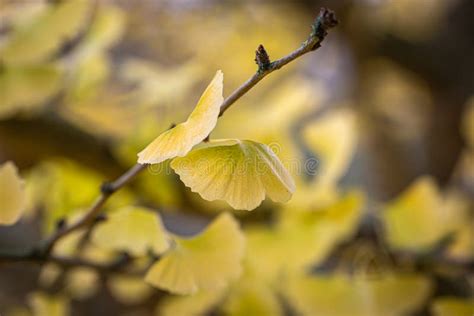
x=12, y=194
x=238, y=172
x=342, y=295
x=129, y=289
x=421, y=216
x=179, y=140
x=135, y=230
x=207, y=261
x=46, y=305
x=34, y=41
x=26, y=88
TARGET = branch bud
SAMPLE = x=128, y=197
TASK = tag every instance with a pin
x=261, y=58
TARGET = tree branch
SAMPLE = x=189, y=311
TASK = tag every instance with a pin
x=43, y=251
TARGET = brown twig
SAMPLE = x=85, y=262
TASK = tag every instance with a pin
x=325, y=20
x=43, y=252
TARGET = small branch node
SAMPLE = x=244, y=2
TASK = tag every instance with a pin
x=107, y=188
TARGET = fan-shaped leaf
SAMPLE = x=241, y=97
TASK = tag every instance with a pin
x=206, y=262
x=132, y=229
x=179, y=140
x=421, y=216
x=238, y=172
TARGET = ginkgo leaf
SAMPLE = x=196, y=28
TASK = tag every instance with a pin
x=305, y=238
x=239, y=172
x=12, y=194
x=421, y=216
x=452, y=306
x=46, y=305
x=251, y=297
x=129, y=289
x=42, y=36
x=207, y=261
x=27, y=87
x=136, y=230
x=359, y=295
x=332, y=138
x=190, y=305
x=178, y=141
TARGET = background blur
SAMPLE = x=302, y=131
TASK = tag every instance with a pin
x=377, y=128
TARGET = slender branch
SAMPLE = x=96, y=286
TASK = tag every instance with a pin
x=325, y=20
x=107, y=190
x=41, y=253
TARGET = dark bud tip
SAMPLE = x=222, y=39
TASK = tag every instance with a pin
x=107, y=188
x=326, y=19
x=261, y=58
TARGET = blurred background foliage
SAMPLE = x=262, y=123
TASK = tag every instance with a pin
x=376, y=127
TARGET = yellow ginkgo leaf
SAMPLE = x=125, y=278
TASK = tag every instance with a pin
x=27, y=87
x=452, y=306
x=206, y=262
x=332, y=138
x=46, y=305
x=300, y=240
x=239, y=172
x=342, y=295
x=190, y=305
x=421, y=216
x=129, y=289
x=179, y=140
x=12, y=194
x=136, y=230
x=42, y=36
x=251, y=297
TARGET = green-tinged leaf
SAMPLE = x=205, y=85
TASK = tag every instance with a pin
x=238, y=172
x=12, y=194
x=207, y=261
x=26, y=88
x=179, y=140
x=41, y=37
x=135, y=230
x=342, y=295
